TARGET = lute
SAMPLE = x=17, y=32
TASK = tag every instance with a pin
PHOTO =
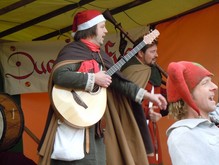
x=79, y=108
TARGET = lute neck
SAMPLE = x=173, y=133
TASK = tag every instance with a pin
x=117, y=66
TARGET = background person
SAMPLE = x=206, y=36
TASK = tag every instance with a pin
x=142, y=70
x=193, y=139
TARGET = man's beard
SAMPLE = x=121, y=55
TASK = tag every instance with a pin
x=152, y=64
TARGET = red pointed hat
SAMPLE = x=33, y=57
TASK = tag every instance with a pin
x=86, y=19
x=182, y=78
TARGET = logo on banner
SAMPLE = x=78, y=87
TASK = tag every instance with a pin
x=26, y=66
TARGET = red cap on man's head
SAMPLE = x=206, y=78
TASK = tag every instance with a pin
x=86, y=19
x=182, y=78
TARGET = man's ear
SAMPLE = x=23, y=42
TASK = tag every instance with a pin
x=140, y=54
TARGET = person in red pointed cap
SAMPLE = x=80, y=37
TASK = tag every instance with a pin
x=92, y=135
x=193, y=139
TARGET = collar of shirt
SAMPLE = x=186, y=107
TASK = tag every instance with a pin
x=190, y=123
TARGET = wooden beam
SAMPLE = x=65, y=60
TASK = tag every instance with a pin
x=53, y=34
x=113, y=11
x=213, y=2
x=128, y=6
x=44, y=17
x=14, y=6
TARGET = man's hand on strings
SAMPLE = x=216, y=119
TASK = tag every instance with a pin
x=102, y=79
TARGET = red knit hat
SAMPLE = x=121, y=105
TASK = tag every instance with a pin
x=183, y=76
x=86, y=19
